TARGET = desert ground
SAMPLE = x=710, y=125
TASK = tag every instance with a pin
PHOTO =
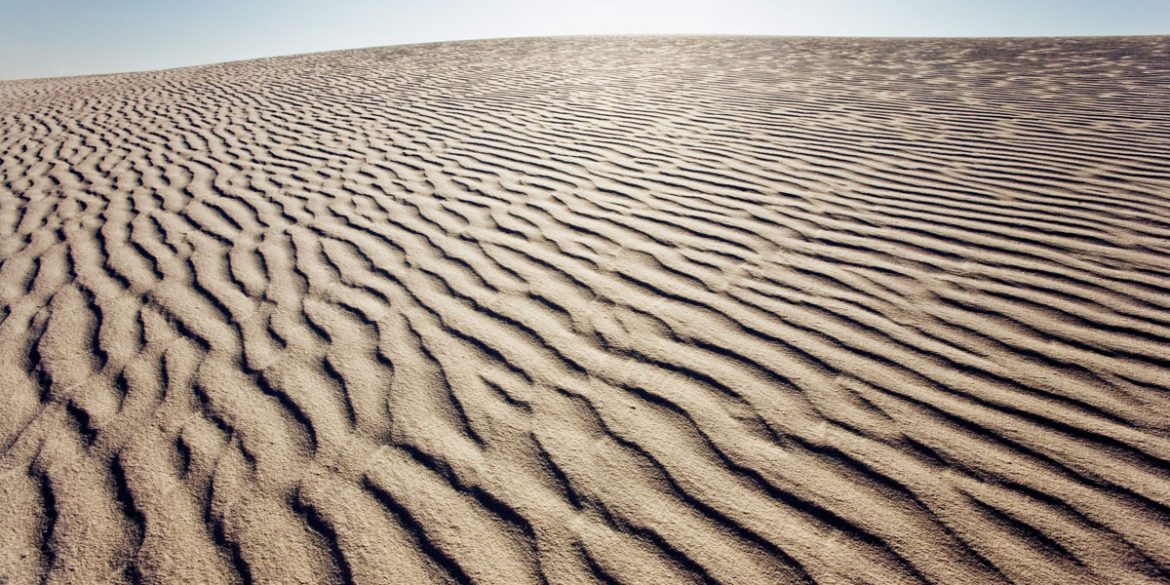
x=592, y=310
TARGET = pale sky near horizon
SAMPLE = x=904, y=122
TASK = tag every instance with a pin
x=48, y=38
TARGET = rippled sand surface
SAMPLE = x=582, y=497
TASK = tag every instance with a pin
x=616, y=310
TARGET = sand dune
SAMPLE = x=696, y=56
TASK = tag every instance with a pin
x=617, y=310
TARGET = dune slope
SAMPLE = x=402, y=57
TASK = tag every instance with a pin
x=616, y=310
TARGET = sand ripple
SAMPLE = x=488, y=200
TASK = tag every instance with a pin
x=657, y=310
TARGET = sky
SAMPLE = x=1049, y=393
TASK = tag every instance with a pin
x=49, y=38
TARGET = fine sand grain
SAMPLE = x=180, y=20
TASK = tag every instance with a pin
x=616, y=310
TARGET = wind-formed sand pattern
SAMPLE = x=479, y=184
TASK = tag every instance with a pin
x=617, y=310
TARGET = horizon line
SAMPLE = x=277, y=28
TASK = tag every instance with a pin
x=570, y=36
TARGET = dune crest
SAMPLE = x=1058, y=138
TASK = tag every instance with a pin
x=617, y=310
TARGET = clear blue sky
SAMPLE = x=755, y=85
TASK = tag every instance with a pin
x=44, y=38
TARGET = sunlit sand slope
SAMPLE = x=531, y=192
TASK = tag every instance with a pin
x=652, y=310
